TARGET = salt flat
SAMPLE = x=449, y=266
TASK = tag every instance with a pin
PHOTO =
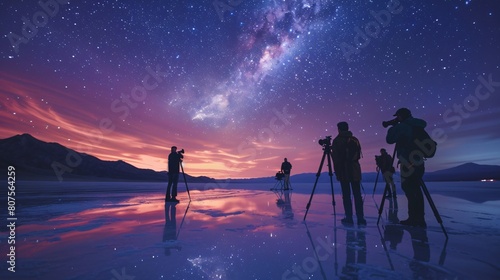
x=91, y=230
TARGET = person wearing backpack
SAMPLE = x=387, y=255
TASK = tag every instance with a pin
x=403, y=134
x=346, y=152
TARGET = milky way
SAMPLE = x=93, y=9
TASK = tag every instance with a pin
x=266, y=43
x=242, y=84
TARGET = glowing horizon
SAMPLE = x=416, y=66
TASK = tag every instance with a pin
x=266, y=83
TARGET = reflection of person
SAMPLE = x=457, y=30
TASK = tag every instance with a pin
x=285, y=204
x=421, y=253
x=411, y=172
x=174, y=160
x=346, y=152
x=384, y=165
x=286, y=167
x=392, y=232
x=170, y=229
x=355, y=243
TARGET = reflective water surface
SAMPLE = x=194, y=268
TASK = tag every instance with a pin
x=127, y=231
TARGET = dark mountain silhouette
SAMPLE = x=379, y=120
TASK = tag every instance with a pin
x=39, y=160
x=464, y=172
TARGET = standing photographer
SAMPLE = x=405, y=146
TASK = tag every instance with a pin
x=174, y=161
x=402, y=133
x=346, y=152
x=385, y=165
x=286, y=167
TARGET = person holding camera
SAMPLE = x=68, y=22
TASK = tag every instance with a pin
x=286, y=167
x=412, y=171
x=384, y=164
x=174, y=161
x=346, y=152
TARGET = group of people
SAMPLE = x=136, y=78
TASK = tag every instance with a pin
x=346, y=153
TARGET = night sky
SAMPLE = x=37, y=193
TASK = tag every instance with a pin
x=242, y=84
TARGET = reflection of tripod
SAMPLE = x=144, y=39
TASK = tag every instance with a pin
x=185, y=181
x=427, y=195
x=326, y=143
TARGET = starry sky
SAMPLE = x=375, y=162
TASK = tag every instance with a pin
x=242, y=84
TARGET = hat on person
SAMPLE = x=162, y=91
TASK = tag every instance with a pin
x=343, y=126
x=403, y=112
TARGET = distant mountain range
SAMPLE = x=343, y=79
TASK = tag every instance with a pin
x=38, y=160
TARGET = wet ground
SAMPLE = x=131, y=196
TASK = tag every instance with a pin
x=126, y=231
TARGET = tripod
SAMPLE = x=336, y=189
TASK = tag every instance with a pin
x=279, y=181
x=185, y=181
x=427, y=195
x=278, y=185
x=326, y=143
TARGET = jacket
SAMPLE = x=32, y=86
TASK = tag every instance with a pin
x=345, y=159
x=402, y=135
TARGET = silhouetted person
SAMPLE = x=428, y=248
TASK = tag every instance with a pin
x=411, y=172
x=170, y=229
x=174, y=160
x=384, y=165
x=346, y=152
x=355, y=243
x=286, y=167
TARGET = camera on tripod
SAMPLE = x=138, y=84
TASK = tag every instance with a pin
x=327, y=142
x=394, y=121
x=279, y=176
x=378, y=160
x=181, y=153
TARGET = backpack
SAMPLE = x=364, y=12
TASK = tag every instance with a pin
x=353, y=149
x=422, y=145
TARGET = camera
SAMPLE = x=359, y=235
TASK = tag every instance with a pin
x=378, y=160
x=385, y=124
x=325, y=142
x=181, y=154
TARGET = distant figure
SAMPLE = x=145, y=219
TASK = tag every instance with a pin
x=174, y=161
x=384, y=165
x=170, y=229
x=286, y=167
x=346, y=152
x=411, y=172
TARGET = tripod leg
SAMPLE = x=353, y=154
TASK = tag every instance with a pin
x=330, y=173
x=433, y=206
x=315, y=183
x=382, y=204
x=376, y=181
x=185, y=181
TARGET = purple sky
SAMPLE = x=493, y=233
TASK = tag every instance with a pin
x=241, y=89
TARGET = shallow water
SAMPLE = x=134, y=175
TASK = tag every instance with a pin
x=125, y=230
